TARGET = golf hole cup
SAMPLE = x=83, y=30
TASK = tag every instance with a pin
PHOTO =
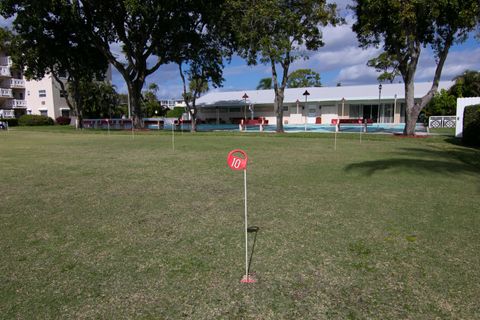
x=237, y=159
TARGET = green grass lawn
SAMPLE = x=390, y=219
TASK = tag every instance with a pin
x=98, y=226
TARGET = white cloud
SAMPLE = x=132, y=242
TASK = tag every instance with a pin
x=457, y=62
x=356, y=74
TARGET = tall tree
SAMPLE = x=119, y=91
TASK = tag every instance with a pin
x=265, y=84
x=200, y=59
x=143, y=29
x=466, y=85
x=51, y=40
x=302, y=78
x=147, y=32
x=403, y=28
x=278, y=32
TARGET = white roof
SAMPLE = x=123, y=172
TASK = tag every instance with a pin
x=317, y=94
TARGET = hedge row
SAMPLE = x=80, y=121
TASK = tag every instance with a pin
x=471, y=125
x=63, y=121
x=35, y=120
x=12, y=122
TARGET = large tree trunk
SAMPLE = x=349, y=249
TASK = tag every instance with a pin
x=135, y=99
x=280, y=90
x=413, y=109
x=193, y=126
x=411, y=115
x=278, y=108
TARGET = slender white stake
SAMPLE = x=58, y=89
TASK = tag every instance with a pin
x=335, y=147
x=361, y=129
x=246, y=227
x=173, y=136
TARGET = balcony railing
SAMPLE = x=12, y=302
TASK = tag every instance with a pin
x=17, y=83
x=6, y=61
x=6, y=93
x=15, y=103
x=5, y=71
x=7, y=114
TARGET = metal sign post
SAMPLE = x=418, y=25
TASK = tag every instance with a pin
x=133, y=130
x=236, y=162
x=173, y=135
x=360, y=122
x=335, y=122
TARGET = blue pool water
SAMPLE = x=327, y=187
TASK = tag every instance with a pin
x=372, y=128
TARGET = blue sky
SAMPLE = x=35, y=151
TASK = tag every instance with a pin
x=340, y=60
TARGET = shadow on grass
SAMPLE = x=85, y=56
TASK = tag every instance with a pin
x=452, y=161
x=254, y=230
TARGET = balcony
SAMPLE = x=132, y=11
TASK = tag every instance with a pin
x=15, y=103
x=6, y=93
x=17, y=83
x=6, y=114
x=5, y=61
x=5, y=71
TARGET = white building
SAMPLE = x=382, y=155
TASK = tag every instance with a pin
x=383, y=104
x=45, y=97
x=12, y=89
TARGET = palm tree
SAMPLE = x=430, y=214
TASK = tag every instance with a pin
x=265, y=84
x=466, y=85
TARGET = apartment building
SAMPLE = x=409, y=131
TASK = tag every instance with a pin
x=12, y=89
x=45, y=96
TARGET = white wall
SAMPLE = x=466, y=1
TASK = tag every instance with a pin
x=35, y=103
x=461, y=104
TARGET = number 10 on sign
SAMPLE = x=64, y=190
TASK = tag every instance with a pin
x=237, y=160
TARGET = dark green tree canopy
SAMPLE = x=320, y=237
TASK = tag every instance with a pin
x=466, y=85
x=301, y=78
x=403, y=28
x=265, y=84
x=278, y=33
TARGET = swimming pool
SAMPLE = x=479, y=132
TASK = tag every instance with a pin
x=325, y=128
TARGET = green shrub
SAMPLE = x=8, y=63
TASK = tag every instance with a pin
x=12, y=122
x=176, y=112
x=63, y=121
x=34, y=120
x=471, y=125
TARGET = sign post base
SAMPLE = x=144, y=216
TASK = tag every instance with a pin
x=248, y=279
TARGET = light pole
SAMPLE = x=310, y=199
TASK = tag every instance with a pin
x=245, y=97
x=306, y=94
x=379, y=98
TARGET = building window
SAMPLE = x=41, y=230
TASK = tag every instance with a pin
x=44, y=113
x=42, y=93
x=21, y=96
x=65, y=113
x=285, y=108
x=355, y=111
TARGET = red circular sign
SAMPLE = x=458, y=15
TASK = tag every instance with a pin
x=237, y=159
